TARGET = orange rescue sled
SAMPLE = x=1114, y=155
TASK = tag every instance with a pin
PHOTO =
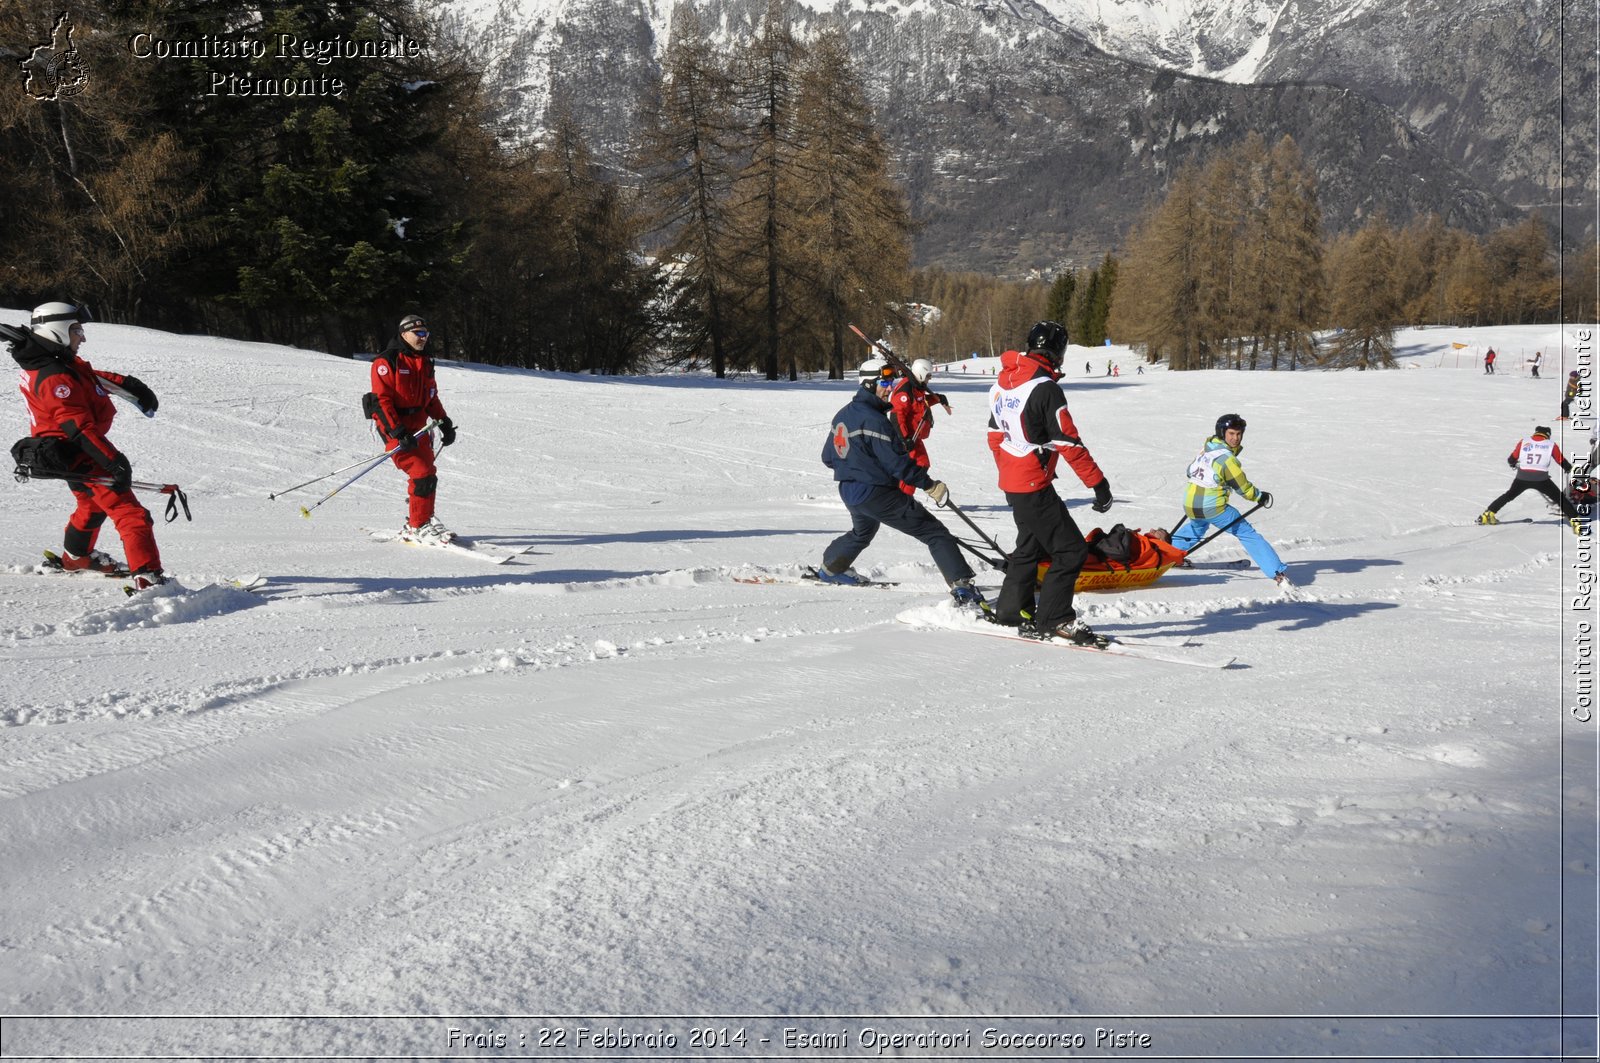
x=1122, y=559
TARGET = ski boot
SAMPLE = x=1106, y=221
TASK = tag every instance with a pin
x=94, y=561
x=429, y=533
x=966, y=596
x=1488, y=517
x=1078, y=633
x=848, y=578
x=435, y=532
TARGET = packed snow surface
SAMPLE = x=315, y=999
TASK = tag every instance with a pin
x=607, y=786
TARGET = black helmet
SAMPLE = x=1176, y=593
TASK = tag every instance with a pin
x=1227, y=421
x=1542, y=430
x=1049, y=337
x=412, y=321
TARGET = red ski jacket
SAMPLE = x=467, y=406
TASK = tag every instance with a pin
x=66, y=401
x=1030, y=428
x=406, y=391
x=912, y=412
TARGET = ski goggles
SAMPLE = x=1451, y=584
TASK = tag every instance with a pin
x=76, y=313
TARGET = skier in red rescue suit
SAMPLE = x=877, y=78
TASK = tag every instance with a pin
x=1029, y=430
x=911, y=408
x=406, y=397
x=68, y=401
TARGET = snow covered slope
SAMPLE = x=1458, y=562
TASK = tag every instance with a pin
x=607, y=779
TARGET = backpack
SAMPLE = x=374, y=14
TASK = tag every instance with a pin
x=43, y=456
x=1116, y=546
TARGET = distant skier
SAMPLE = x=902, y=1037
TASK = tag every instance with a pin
x=71, y=413
x=1030, y=429
x=1214, y=473
x=869, y=462
x=911, y=408
x=1538, y=360
x=1488, y=362
x=1532, y=458
x=406, y=397
x=1574, y=388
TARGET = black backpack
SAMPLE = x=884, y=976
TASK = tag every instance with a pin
x=1116, y=546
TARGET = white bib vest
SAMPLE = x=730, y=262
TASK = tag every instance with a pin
x=1534, y=455
x=1203, y=470
x=1006, y=405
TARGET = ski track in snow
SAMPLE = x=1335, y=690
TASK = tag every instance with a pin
x=608, y=777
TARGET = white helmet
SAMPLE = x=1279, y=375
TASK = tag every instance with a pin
x=922, y=370
x=54, y=321
x=871, y=371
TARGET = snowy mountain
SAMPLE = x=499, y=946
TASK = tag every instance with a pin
x=607, y=778
x=1031, y=132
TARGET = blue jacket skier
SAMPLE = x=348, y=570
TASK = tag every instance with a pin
x=869, y=462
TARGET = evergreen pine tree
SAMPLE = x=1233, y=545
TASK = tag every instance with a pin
x=1059, y=305
x=1365, y=305
x=852, y=226
x=764, y=214
x=1291, y=257
x=689, y=159
x=1522, y=273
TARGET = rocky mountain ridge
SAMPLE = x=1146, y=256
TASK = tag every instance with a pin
x=1031, y=133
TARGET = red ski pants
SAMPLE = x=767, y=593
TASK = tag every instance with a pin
x=96, y=502
x=417, y=463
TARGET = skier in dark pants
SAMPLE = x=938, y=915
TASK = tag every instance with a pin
x=1029, y=429
x=869, y=462
x=1532, y=457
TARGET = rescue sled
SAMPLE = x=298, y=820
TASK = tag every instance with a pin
x=1123, y=559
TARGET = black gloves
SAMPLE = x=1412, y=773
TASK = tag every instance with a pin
x=141, y=394
x=1511, y=463
x=1102, y=496
x=1265, y=498
x=121, y=472
x=447, y=432
x=402, y=439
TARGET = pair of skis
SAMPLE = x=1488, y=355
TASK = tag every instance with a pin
x=949, y=617
x=52, y=564
x=473, y=548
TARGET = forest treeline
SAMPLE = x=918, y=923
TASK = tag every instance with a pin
x=758, y=220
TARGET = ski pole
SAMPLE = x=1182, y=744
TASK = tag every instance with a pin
x=325, y=475
x=1222, y=529
x=305, y=511
x=992, y=563
x=174, y=493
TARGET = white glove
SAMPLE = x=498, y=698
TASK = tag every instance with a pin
x=938, y=492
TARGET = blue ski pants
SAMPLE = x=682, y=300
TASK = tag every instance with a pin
x=1260, y=551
